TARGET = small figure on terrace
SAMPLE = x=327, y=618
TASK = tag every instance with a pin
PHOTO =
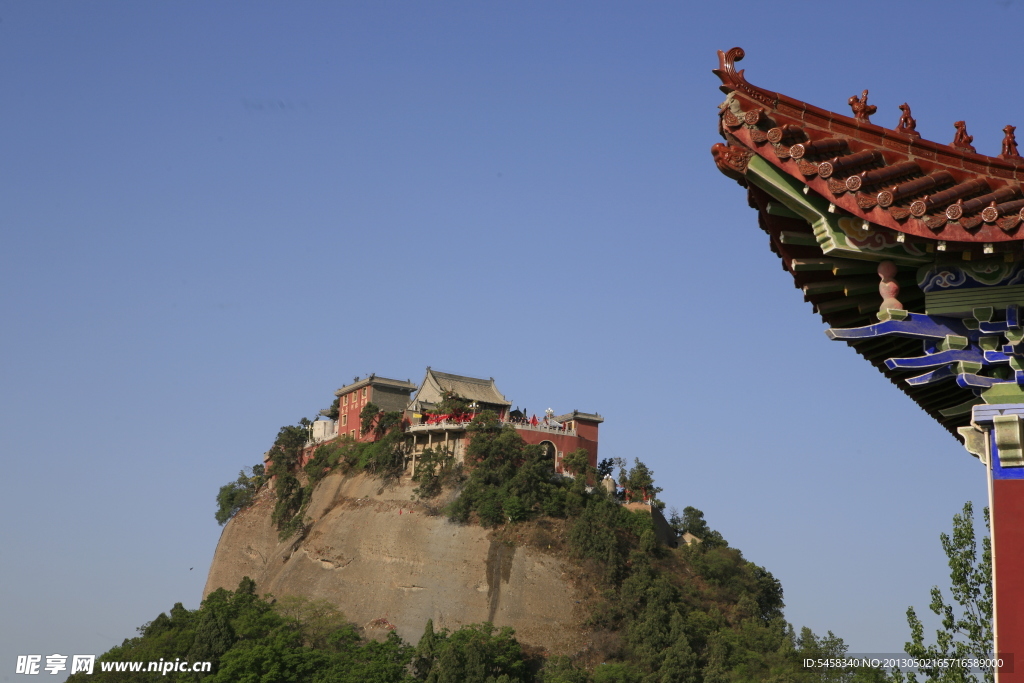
x=862, y=111
x=962, y=140
x=907, y=124
x=1009, y=150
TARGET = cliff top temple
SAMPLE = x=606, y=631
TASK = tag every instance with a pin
x=428, y=428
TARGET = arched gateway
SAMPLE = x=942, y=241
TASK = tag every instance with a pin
x=913, y=253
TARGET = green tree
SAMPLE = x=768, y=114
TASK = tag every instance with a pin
x=385, y=457
x=335, y=410
x=966, y=625
x=578, y=463
x=288, y=445
x=478, y=653
x=452, y=404
x=325, y=458
x=560, y=669
x=810, y=646
x=640, y=484
x=435, y=469
x=617, y=672
x=238, y=494
x=692, y=521
x=426, y=651
x=623, y=472
x=291, y=501
x=502, y=466
x=368, y=418
x=679, y=664
x=318, y=622
x=514, y=509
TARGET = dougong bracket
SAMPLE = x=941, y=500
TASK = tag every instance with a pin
x=977, y=353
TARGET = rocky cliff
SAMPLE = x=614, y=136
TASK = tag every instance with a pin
x=384, y=560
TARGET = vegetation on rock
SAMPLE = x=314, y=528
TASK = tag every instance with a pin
x=701, y=612
x=239, y=494
x=436, y=469
x=293, y=485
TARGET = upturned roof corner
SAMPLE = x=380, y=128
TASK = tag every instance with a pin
x=910, y=250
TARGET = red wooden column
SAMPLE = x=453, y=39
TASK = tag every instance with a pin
x=1008, y=545
x=1001, y=447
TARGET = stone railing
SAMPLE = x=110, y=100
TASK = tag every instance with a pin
x=447, y=425
x=452, y=425
x=542, y=428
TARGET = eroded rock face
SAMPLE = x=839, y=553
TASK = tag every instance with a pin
x=383, y=559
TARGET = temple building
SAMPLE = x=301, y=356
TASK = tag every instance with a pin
x=387, y=394
x=912, y=252
x=482, y=393
x=428, y=427
x=559, y=435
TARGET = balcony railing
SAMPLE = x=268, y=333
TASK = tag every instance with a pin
x=542, y=428
x=455, y=425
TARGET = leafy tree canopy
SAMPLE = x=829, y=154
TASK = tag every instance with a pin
x=239, y=494
x=692, y=521
x=452, y=404
x=966, y=623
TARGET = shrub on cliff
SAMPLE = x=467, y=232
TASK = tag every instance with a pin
x=292, y=499
x=434, y=470
x=239, y=494
x=508, y=480
x=284, y=454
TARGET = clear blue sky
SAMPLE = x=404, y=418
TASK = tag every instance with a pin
x=214, y=214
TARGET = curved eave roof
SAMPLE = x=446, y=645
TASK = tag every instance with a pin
x=470, y=388
x=945, y=174
x=842, y=286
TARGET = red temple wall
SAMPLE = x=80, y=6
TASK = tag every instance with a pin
x=564, y=444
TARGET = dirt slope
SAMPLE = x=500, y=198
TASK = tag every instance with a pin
x=378, y=556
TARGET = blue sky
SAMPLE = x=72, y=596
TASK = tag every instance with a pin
x=212, y=215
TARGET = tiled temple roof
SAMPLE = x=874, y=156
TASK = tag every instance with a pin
x=406, y=386
x=846, y=202
x=435, y=383
x=577, y=415
x=889, y=176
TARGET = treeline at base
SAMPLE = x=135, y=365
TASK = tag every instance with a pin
x=250, y=639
